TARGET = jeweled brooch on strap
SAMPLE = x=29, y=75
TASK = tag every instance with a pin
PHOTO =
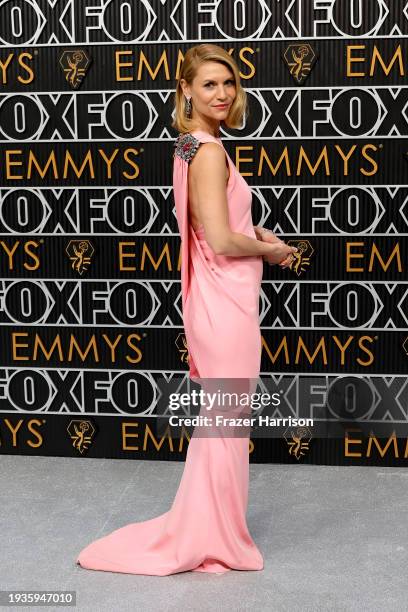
x=186, y=146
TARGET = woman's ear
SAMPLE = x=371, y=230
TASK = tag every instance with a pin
x=184, y=87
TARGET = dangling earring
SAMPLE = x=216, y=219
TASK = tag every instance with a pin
x=187, y=107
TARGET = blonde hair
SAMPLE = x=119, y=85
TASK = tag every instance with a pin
x=193, y=59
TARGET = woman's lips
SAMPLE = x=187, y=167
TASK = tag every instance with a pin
x=221, y=105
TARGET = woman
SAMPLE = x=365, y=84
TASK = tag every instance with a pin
x=205, y=530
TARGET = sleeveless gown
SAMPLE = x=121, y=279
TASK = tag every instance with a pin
x=205, y=529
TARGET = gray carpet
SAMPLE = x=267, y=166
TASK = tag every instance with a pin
x=333, y=538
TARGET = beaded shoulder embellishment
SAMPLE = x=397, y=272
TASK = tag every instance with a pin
x=186, y=146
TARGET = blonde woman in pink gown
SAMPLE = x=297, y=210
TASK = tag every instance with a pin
x=205, y=529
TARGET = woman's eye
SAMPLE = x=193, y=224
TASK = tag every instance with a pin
x=210, y=84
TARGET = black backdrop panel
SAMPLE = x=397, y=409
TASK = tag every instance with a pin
x=90, y=303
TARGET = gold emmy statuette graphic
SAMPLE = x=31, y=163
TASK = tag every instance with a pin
x=181, y=344
x=298, y=440
x=80, y=253
x=81, y=433
x=302, y=256
x=405, y=345
x=300, y=59
x=75, y=64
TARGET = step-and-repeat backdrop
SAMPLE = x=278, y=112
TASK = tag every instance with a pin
x=91, y=325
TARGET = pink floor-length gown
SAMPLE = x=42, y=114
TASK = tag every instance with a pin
x=205, y=529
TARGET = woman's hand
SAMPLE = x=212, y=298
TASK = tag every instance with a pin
x=288, y=261
x=281, y=253
x=267, y=235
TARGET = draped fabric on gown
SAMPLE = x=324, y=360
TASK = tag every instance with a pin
x=205, y=529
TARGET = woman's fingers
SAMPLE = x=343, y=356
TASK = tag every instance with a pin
x=269, y=237
x=288, y=259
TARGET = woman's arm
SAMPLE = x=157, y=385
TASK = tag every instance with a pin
x=207, y=178
x=240, y=245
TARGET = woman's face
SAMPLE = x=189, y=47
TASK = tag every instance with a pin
x=213, y=85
